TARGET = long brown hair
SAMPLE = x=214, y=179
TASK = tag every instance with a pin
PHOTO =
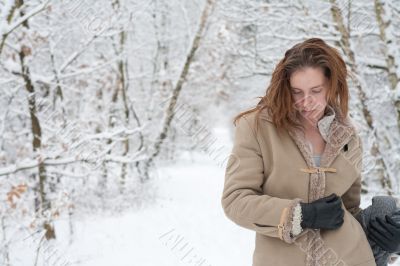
x=278, y=100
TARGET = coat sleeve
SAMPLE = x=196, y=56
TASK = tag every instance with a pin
x=352, y=197
x=243, y=200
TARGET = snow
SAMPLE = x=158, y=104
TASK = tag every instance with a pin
x=185, y=223
x=184, y=226
x=7, y=5
x=74, y=68
x=5, y=28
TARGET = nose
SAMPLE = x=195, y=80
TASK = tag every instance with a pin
x=307, y=103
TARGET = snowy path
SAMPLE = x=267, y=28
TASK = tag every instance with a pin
x=186, y=226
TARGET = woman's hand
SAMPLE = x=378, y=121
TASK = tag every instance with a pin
x=385, y=233
x=324, y=213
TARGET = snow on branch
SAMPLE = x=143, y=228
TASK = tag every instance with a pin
x=10, y=27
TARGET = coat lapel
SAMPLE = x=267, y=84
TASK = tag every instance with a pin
x=335, y=133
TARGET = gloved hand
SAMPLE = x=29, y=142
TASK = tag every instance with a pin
x=385, y=233
x=324, y=213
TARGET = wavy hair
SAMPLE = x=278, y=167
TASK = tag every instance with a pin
x=278, y=99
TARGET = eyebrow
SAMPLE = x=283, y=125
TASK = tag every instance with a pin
x=310, y=88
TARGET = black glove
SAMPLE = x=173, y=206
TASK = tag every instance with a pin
x=385, y=233
x=324, y=213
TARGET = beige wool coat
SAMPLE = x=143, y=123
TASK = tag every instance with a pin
x=268, y=174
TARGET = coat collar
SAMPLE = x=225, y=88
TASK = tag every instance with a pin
x=334, y=129
x=325, y=122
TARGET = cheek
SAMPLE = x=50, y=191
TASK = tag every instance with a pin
x=297, y=101
x=320, y=101
x=296, y=98
x=322, y=98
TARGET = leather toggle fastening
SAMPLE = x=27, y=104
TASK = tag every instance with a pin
x=284, y=213
x=318, y=170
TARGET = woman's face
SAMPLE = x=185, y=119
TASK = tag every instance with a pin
x=308, y=89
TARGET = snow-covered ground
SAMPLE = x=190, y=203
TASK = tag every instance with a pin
x=186, y=223
x=185, y=226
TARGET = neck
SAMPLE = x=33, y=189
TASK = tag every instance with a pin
x=309, y=124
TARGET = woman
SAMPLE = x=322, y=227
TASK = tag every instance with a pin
x=294, y=174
